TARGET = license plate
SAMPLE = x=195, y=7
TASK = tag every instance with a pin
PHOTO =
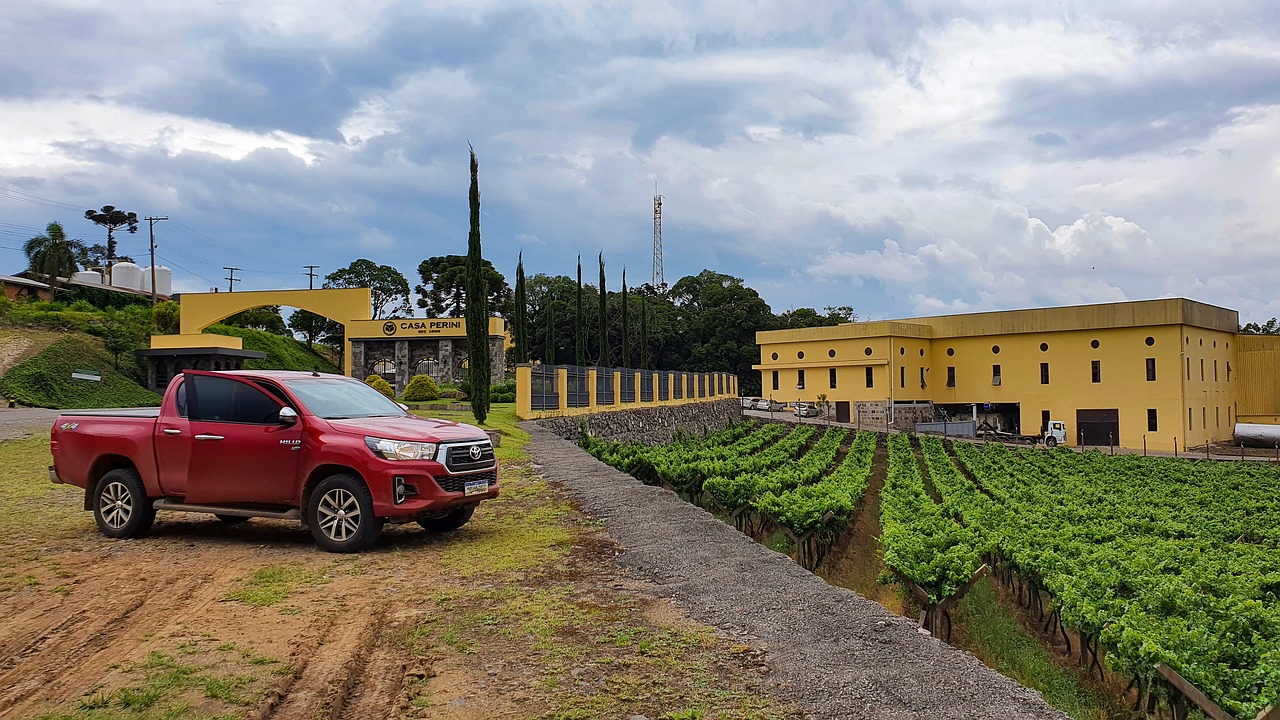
x=475, y=487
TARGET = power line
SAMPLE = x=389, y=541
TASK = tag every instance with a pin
x=231, y=281
x=151, y=225
x=20, y=196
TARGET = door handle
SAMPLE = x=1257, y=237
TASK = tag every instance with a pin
x=208, y=437
x=172, y=431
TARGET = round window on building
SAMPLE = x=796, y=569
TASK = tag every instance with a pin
x=831, y=353
x=995, y=349
x=775, y=356
x=1044, y=347
x=921, y=352
x=1150, y=341
x=902, y=351
x=951, y=351
x=1094, y=344
x=800, y=355
x=867, y=352
x=1215, y=343
x=1201, y=342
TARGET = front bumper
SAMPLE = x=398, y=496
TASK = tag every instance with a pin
x=429, y=490
x=53, y=476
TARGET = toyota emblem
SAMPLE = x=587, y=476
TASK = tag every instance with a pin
x=475, y=452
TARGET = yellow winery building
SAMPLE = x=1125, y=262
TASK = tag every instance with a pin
x=1165, y=372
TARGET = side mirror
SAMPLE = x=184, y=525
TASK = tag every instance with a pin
x=403, y=407
x=287, y=416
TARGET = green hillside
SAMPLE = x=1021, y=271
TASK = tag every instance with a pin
x=283, y=353
x=44, y=380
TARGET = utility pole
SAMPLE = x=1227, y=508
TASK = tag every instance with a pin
x=231, y=281
x=311, y=276
x=151, y=225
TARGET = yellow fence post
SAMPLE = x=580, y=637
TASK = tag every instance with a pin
x=562, y=387
x=591, y=389
x=524, y=391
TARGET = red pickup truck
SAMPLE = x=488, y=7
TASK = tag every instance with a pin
x=324, y=449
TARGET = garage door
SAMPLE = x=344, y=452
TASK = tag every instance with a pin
x=842, y=411
x=1098, y=427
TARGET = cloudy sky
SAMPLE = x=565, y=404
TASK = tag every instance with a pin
x=902, y=157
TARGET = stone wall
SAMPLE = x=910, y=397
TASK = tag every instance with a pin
x=905, y=415
x=651, y=425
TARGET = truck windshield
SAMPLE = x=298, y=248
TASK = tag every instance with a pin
x=335, y=399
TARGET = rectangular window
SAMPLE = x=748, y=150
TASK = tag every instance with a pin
x=799, y=379
x=870, y=377
x=1217, y=417
x=951, y=376
x=1151, y=420
x=922, y=382
x=1188, y=368
x=902, y=377
x=995, y=374
x=775, y=379
x=1204, y=418
x=1215, y=371
x=1044, y=373
x=1228, y=416
x=833, y=378
x=1044, y=421
x=1190, y=426
x=1201, y=369
x=1095, y=368
x=1151, y=369
x=1228, y=371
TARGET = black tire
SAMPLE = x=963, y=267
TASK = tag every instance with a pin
x=232, y=519
x=451, y=521
x=120, y=505
x=340, y=515
x=1051, y=441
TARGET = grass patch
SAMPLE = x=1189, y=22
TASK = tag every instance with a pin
x=283, y=353
x=994, y=637
x=44, y=380
x=272, y=585
x=30, y=505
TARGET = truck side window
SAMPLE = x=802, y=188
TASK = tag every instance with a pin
x=180, y=400
x=225, y=400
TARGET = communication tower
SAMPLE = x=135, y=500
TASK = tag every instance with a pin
x=659, y=282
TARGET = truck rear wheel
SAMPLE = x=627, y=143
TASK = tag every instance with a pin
x=449, y=521
x=120, y=505
x=340, y=515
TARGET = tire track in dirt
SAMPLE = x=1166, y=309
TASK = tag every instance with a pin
x=321, y=689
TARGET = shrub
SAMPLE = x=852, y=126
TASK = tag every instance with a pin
x=421, y=388
x=504, y=398
x=376, y=382
x=82, y=306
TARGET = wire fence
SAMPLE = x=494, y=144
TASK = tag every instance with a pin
x=631, y=386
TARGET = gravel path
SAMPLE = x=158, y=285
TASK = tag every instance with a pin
x=18, y=422
x=833, y=653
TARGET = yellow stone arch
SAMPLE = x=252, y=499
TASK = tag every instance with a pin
x=200, y=310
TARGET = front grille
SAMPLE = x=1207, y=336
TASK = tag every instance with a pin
x=458, y=458
x=455, y=483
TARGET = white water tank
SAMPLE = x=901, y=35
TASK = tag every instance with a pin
x=126, y=275
x=91, y=277
x=164, y=279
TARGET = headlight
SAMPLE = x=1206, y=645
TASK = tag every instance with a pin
x=400, y=449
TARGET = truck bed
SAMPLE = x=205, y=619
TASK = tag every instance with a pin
x=142, y=412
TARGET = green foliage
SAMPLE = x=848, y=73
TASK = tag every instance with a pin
x=444, y=287
x=45, y=379
x=315, y=328
x=477, y=310
x=421, y=388
x=52, y=255
x=266, y=318
x=376, y=382
x=283, y=353
x=520, y=321
x=166, y=318
x=604, y=356
x=389, y=288
x=1270, y=327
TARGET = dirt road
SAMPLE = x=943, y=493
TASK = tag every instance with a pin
x=20, y=422
x=522, y=614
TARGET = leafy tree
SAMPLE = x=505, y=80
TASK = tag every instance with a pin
x=808, y=317
x=124, y=332
x=579, y=329
x=521, y=321
x=51, y=255
x=722, y=315
x=95, y=256
x=112, y=219
x=1270, y=327
x=644, y=332
x=626, y=330
x=313, y=327
x=444, y=281
x=604, y=356
x=389, y=286
x=166, y=318
x=265, y=318
x=549, y=352
x=477, y=310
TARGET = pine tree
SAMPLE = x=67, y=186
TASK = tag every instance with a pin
x=477, y=310
x=626, y=329
x=579, y=332
x=606, y=356
x=521, y=330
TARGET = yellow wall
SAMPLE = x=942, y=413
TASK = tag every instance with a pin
x=400, y=328
x=1179, y=329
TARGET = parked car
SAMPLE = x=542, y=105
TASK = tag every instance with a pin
x=326, y=450
x=804, y=409
x=763, y=404
x=748, y=403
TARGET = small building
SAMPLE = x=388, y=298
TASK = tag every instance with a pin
x=15, y=287
x=1159, y=372
x=168, y=357
x=399, y=348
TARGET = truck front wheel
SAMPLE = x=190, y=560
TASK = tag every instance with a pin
x=340, y=515
x=449, y=521
x=1051, y=441
x=120, y=505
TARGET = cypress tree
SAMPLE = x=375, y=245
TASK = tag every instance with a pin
x=549, y=353
x=606, y=357
x=644, y=331
x=477, y=314
x=626, y=330
x=579, y=332
x=521, y=333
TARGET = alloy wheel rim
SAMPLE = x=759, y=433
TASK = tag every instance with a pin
x=339, y=515
x=116, y=505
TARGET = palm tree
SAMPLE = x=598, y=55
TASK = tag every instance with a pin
x=51, y=255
